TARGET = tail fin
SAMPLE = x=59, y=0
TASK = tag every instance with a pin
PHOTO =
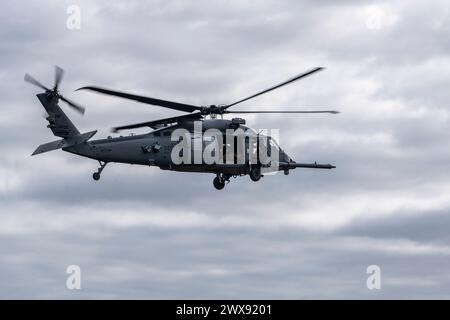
x=61, y=126
x=59, y=123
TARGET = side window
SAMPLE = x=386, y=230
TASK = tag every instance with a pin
x=167, y=133
x=157, y=134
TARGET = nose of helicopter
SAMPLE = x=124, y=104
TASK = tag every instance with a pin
x=284, y=157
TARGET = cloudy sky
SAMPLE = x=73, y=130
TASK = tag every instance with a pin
x=145, y=233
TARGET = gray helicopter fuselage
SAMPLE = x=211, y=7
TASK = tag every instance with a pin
x=140, y=149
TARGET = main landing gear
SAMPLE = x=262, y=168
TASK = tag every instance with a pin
x=96, y=175
x=255, y=174
x=219, y=181
x=221, y=178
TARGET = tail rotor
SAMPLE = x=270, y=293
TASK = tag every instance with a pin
x=59, y=73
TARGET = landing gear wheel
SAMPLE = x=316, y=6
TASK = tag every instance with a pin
x=219, y=183
x=96, y=175
x=255, y=174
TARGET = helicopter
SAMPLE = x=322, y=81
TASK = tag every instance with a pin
x=161, y=146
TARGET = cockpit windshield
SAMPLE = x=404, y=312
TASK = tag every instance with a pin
x=268, y=140
x=273, y=143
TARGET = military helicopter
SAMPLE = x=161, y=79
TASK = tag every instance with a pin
x=156, y=148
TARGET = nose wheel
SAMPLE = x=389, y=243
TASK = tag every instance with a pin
x=96, y=175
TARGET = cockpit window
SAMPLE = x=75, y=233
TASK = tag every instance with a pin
x=273, y=143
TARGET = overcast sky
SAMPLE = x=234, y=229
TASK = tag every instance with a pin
x=144, y=233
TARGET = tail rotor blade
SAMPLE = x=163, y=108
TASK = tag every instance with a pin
x=32, y=80
x=59, y=72
x=75, y=106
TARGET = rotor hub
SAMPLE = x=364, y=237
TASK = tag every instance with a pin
x=213, y=109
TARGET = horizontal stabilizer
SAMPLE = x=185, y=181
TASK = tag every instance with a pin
x=63, y=143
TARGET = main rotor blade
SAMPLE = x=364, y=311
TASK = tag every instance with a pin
x=154, y=123
x=32, y=80
x=77, y=107
x=148, y=100
x=59, y=72
x=277, y=86
x=288, y=111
